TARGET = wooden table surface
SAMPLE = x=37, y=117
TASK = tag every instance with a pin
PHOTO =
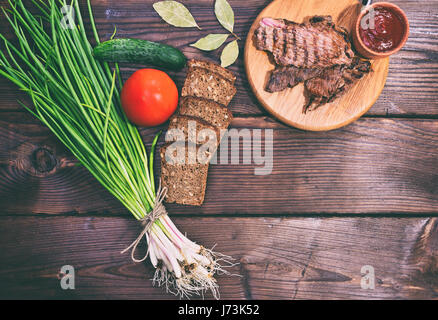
x=366, y=194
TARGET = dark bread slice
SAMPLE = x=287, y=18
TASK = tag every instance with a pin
x=206, y=84
x=185, y=182
x=207, y=110
x=186, y=124
x=213, y=67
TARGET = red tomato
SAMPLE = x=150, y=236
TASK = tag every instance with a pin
x=149, y=97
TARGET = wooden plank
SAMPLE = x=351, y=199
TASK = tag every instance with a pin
x=372, y=166
x=280, y=258
x=412, y=84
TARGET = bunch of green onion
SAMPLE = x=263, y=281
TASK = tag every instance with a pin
x=77, y=97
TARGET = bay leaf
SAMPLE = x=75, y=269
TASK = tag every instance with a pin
x=175, y=13
x=225, y=14
x=210, y=42
x=229, y=54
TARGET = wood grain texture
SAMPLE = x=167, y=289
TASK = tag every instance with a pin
x=412, y=84
x=372, y=166
x=288, y=104
x=279, y=258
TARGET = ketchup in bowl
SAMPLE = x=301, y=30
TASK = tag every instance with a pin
x=387, y=33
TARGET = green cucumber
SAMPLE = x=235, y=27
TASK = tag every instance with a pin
x=140, y=52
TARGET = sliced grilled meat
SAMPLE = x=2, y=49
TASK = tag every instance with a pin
x=283, y=77
x=317, y=43
x=334, y=82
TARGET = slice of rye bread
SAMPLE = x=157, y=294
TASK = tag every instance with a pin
x=228, y=75
x=192, y=129
x=186, y=183
x=207, y=110
x=204, y=83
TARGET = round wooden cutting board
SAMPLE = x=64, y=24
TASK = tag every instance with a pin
x=287, y=105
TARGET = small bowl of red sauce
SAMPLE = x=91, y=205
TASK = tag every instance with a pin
x=381, y=30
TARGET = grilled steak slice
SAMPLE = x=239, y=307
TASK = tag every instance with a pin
x=334, y=82
x=283, y=77
x=316, y=43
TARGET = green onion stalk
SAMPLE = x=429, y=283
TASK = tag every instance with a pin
x=78, y=99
